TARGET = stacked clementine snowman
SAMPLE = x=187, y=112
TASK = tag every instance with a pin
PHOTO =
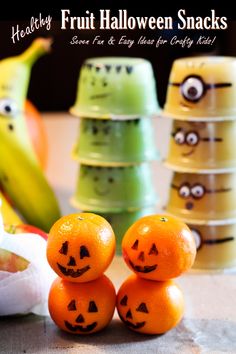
x=80, y=248
x=156, y=248
x=201, y=99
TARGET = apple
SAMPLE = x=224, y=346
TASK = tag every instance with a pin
x=11, y=262
x=24, y=229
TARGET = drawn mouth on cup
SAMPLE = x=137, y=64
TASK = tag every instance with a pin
x=189, y=205
x=183, y=104
x=101, y=192
x=190, y=152
x=99, y=143
x=98, y=96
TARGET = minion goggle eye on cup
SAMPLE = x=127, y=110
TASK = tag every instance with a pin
x=191, y=138
x=197, y=191
x=193, y=88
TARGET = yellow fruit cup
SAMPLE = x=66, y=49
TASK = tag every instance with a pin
x=216, y=246
x=203, y=198
x=202, y=147
x=202, y=88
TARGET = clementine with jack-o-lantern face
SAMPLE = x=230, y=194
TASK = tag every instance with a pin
x=159, y=247
x=149, y=307
x=80, y=246
x=82, y=308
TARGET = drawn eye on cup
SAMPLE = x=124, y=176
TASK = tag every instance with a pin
x=196, y=191
x=199, y=241
x=191, y=138
x=193, y=87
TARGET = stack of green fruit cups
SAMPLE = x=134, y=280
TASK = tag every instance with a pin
x=116, y=101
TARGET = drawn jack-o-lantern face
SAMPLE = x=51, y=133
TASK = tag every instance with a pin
x=158, y=247
x=149, y=307
x=82, y=308
x=80, y=246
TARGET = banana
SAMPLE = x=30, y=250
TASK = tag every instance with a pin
x=24, y=182
x=9, y=215
x=14, y=81
x=20, y=173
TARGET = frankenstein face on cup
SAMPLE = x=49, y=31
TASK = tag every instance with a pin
x=201, y=146
x=216, y=245
x=202, y=87
x=114, y=189
x=203, y=196
x=115, y=143
x=115, y=87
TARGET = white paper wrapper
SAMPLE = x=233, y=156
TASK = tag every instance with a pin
x=26, y=291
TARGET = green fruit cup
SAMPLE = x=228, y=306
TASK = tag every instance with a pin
x=216, y=246
x=115, y=143
x=202, y=89
x=114, y=189
x=116, y=88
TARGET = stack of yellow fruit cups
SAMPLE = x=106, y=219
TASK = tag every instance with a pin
x=116, y=101
x=201, y=100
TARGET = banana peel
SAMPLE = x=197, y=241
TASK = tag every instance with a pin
x=8, y=213
x=14, y=81
x=24, y=182
x=20, y=174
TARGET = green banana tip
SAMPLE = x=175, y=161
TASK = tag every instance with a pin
x=38, y=47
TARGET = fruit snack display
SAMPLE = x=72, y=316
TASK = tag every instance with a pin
x=21, y=175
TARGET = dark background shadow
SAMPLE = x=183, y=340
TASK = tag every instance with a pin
x=54, y=77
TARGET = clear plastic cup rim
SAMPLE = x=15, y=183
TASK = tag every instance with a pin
x=93, y=162
x=178, y=168
x=109, y=116
x=205, y=222
x=191, y=118
x=111, y=210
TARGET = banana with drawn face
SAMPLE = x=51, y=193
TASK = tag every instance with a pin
x=14, y=81
x=20, y=174
x=202, y=146
x=216, y=245
x=201, y=198
x=202, y=88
